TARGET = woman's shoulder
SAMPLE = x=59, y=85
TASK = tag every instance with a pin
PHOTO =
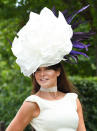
x=29, y=98
x=35, y=100
x=30, y=101
x=31, y=105
x=72, y=94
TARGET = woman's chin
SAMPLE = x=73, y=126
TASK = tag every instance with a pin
x=46, y=85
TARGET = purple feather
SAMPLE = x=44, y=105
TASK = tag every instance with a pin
x=75, y=58
x=76, y=23
x=72, y=17
x=81, y=35
x=54, y=11
x=77, y=36
x=77, y=53
x=9, y=41
x=68, y=17
x=65, y=12
x=77, y=44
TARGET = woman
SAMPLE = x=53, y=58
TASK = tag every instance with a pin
x=40, y=47
x=54, y=106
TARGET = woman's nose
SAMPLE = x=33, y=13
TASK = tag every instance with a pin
x=42, y=73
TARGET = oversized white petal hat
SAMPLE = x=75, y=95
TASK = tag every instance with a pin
x=43, y=41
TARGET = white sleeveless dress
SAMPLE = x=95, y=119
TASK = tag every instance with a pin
x=56, y=115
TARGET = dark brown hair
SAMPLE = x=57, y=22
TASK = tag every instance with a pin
x=63, y=83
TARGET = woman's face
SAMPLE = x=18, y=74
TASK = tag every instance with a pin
x=46, y=77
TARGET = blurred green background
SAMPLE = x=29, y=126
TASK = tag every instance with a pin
x=14, y=87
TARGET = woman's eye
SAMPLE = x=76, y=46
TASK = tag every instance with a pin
x=48, y=69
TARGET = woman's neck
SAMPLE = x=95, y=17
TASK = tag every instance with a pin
x=51, y=89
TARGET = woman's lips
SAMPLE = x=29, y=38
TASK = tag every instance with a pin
x=44, y=80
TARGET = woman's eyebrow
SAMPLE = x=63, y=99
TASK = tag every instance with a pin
x=38, y=69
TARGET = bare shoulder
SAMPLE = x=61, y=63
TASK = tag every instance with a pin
x=79, y=106
x=27, y=106
x=30, y=107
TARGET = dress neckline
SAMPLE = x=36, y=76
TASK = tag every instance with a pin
x=52, y=100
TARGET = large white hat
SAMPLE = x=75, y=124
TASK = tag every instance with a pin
x=43, y=41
